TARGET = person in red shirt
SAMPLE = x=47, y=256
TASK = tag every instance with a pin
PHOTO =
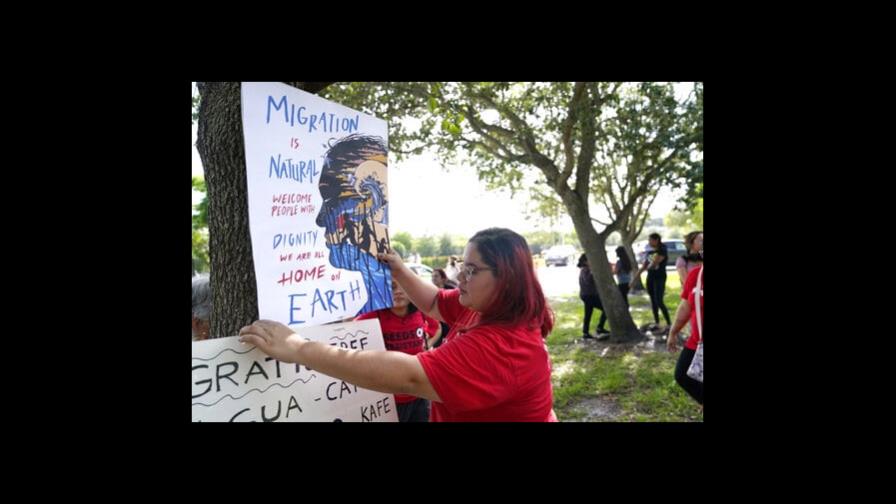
x=406, y=329
x=493, y=366
x=687, y=310
x=440, y=280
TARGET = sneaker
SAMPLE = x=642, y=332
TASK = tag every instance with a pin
x=588, y=336
x=601, y=330
x=603, y=336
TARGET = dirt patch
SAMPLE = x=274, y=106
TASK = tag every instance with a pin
x=595, y=409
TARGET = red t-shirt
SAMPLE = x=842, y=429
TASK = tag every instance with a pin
x=488, y=373
x=404, y=334
x=687, y=294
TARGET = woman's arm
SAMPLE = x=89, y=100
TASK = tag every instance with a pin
x=682, y=272
x=681, y=319
x=636, y=275
x=382, y=371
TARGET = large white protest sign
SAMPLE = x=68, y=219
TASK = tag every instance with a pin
x=239, y=383
x=318, y=205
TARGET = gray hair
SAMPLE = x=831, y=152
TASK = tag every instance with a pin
x=202, y=298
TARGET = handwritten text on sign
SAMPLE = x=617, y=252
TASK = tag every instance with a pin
x=318, y=205
x=239, y=383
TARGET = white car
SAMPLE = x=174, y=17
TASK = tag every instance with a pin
x=421, y=270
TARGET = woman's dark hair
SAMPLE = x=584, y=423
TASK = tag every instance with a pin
x=689, y=239
x=441, y=273
x=624, y=262
x=518, y=297
x=688, y=243
x=583, y=260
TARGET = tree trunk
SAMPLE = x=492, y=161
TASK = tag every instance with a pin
x=627, y=240
x=220, y=145
x=622, y=327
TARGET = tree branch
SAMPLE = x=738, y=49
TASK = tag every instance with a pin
x=498, y=145
x=566, y=128
x=494, y=152
x=586, y=150
x=643, y=217
x=622, y=188
x=525, y=140
x=471, y=115
x=613, y=203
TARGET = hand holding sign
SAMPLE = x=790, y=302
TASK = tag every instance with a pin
x=274, y=339
x=238, y=382
x=390, y=257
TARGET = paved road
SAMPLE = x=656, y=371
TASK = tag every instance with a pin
x=564, y=280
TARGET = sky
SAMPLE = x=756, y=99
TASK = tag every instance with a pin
x=458, y=203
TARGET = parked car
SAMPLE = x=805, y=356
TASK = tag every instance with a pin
x=676, y=249
x=560, y=255
x=421, y=270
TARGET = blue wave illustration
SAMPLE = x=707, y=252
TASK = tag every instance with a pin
x=253, y=390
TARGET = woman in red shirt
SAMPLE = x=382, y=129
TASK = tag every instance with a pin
x=687, y=310
x=493, y=366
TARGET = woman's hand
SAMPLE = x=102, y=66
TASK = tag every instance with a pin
x=672, y=341
x=274, y=339
x=390, y=257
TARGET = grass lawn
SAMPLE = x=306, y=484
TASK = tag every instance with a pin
x=597, y=381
